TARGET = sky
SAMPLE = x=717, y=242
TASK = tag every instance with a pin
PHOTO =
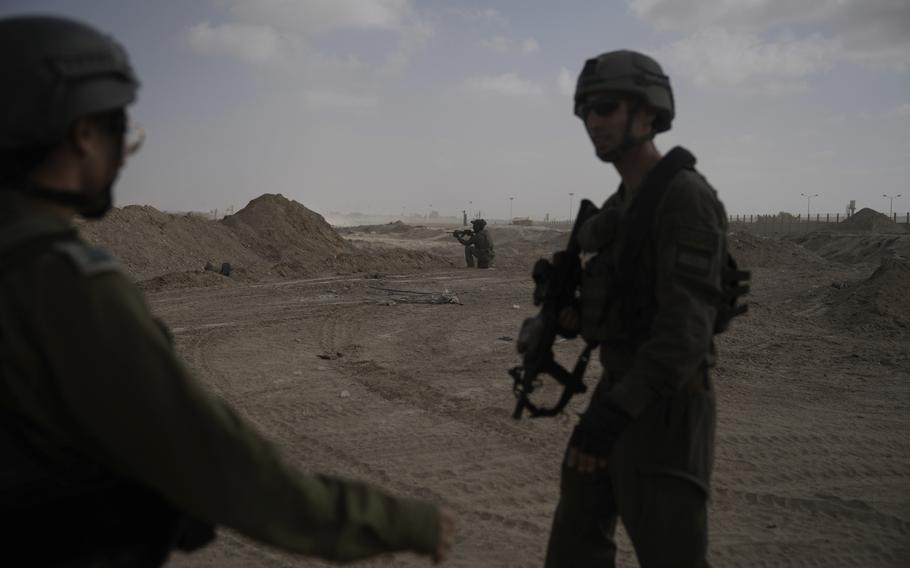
x=402, y=107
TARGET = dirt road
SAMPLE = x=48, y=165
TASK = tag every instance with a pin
x=813, y=448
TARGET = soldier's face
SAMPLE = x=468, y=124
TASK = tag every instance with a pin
x=605, y=118
x=100, y=141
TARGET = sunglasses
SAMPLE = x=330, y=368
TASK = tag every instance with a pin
x=121, y=127
x=601, y=107
x=133, y=138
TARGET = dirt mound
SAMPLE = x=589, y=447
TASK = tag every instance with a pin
x=283, y=230
x=149, y=243
x=854, y=248
x=272, y=237
x=869, y=220
x=301, y=243
x=880, y=301
x=751, y=250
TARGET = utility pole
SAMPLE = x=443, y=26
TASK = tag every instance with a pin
x=808, y=203
x=892, y=198
x=570, y=206
x=470, y=209
x=510, y=209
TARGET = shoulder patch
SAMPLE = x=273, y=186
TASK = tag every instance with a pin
x=698, y=239
x=89, y=260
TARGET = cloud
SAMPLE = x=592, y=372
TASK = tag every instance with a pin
x=250, y=43
x=866, y=31
x=718, y=58
x=502, y=44
x=529, y=45
x=338, y=101
x=508, y=84
x=486, y=16
x=565, y=83
x=322, y=16
x=289, y=29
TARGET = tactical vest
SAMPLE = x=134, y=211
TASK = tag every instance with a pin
x=71, y=510
x=617, y=296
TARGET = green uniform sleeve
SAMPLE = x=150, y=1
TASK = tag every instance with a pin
x=133, y=405
x=689, y=251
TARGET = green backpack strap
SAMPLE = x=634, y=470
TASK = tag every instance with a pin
x=637, y=221
x=637, y=224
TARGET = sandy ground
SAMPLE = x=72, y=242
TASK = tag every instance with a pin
x=348, y=378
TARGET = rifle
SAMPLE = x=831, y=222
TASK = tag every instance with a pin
x=462, y=234
x=556, y=283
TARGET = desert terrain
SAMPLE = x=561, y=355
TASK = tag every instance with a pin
x=370, y=352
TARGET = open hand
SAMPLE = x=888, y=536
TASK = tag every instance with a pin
x=446, y=535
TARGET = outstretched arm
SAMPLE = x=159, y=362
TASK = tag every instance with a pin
x=127, y=400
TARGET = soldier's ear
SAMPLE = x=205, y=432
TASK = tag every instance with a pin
x=648, y=115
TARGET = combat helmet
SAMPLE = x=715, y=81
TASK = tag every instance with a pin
x=56, y=70
x=625, y=71
x=479, y=224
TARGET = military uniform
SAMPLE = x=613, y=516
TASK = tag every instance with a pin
x=93, y=399
x=656, y=336
x=479, y=246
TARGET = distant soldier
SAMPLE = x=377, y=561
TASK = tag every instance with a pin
x=477, y=244
x=112, y=453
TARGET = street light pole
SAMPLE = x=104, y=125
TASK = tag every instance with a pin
x=570, y=206
x=470, y=209
x=510, y=209
x=808, y=203
x=892, y=198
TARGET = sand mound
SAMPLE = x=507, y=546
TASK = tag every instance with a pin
x=854, y=248
x=149, y=243
x=301, y=243
x=751, y=250
x=285, y=231
x=880, y=301
x=869, y=220
x=270, y=237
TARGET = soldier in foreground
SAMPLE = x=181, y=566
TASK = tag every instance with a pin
x=113, y=454
x=650, y=297
x=477, y=244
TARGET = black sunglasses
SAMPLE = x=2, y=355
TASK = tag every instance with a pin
x=602, y=107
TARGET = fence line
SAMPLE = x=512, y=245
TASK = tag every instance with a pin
x=784, y=223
